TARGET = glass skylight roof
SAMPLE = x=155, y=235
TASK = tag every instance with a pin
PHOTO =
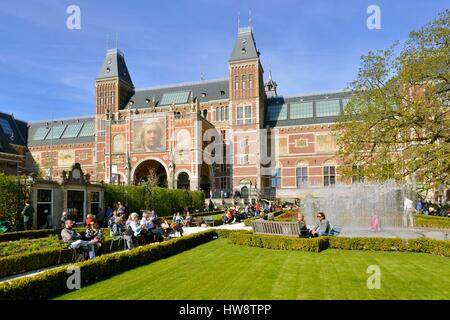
x=41, y=133
x=179, y=97
x=326, y=108
x=56, y=132
x=276, y=112
x=88, y=130
x=6, y=127
x=72, y=130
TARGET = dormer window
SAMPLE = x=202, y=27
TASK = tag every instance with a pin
x=203, y=94
x=243, y=50
x=131, y=102
x=147, y=101
x=222, y=93
x=108, y=70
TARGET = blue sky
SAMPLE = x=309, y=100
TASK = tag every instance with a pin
x=48, y=71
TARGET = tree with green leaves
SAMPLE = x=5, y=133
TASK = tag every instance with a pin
x=397, y=123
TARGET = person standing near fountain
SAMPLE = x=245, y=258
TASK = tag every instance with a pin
x=408, y=213
x=374, y=223
x=322, y=228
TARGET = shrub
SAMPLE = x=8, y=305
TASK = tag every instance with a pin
x=432, y=222
x=35, y=234
x=278, y=242
x=164, y=201
x=436, y=247
x=52, y=283
x=10, y=194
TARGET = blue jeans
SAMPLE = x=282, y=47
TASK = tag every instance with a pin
x=84, y=244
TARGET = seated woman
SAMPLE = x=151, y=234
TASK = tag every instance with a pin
x=89, y=219
x=165, y=226
x=135, y=225
x=304, y=232
x=178, y=219
x=147, y=227
x=228, y=217
x=322, y=228
x=95, y=233
x=188, y=220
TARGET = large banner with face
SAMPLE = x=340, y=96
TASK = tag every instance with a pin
x=149, y=135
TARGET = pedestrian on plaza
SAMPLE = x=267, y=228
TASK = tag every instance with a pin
x=27, y=214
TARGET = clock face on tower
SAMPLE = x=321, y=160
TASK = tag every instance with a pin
x=76, y=174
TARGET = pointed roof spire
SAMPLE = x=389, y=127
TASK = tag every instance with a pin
x=250, y=18
x=114, y=66
x=245, y=45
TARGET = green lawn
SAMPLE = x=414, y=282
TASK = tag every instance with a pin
x=219, y=270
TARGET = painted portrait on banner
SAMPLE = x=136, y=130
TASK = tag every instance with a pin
x=325, y=143
x=149, y=135
x=66, y=158
x=183, y=146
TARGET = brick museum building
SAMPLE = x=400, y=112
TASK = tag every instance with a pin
x=269, y=145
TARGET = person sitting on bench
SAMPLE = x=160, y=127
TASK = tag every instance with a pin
x=322, y=228
x=304, y=232
x=73, y=239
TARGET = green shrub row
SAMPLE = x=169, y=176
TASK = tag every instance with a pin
x=35, y=234
x=164, y=201
x=19, y=263
x=424, y=245
x=278, y=243
x=248, y=222
x=54, y=282
x=432, y=222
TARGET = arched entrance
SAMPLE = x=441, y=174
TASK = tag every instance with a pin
x=151, y=171
x=183, y=181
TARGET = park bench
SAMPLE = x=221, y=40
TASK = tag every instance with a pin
x=279, y=228
x=284, y=228
x=209, y=220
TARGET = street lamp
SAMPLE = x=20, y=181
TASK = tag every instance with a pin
x=109, y=116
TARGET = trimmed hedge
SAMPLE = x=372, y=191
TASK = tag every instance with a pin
x=248, y=222
x=432, y=222
x=19, y=263
x=278, y=243
x=164, y=201
x=35, y=234
x=29, y=234
x=53, y=283
x=423, y=245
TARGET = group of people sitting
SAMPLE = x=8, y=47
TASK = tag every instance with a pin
x=131, y=228
x=92, y=240
x=322, y=227
x=149, y=228
x=237, y=214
